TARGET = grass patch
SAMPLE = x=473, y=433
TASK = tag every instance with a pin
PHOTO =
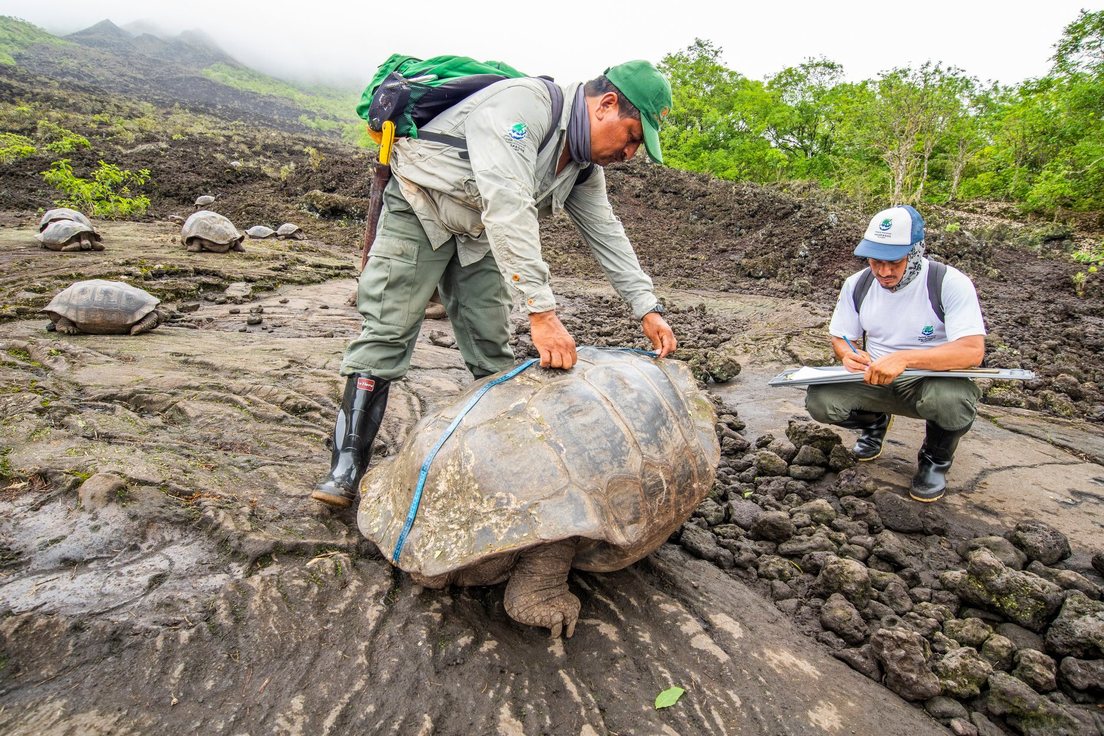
x=16, y=35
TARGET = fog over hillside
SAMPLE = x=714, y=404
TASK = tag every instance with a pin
x=341, y=44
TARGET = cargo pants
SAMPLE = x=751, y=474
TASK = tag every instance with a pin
x=949, y=402
x=396, y=284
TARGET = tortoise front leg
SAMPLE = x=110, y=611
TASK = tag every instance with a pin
x=145, y=324
x=66, y=327
x=537, y=593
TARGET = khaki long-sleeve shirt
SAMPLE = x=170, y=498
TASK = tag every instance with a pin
x=492, y=199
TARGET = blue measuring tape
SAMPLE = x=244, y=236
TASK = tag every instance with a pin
x=424, y=472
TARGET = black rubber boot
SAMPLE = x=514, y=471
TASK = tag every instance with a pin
x=872, y=428
x=358, y=421
x=933, y=462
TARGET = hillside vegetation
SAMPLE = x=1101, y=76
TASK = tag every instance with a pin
x=16, y=35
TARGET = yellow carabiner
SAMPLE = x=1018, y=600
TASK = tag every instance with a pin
x=387, y=139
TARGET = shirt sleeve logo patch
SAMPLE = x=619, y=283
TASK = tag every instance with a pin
x=518, y=131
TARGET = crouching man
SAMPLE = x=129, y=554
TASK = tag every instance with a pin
x=904, y=311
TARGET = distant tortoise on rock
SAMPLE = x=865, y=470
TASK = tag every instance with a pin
x=260, y=232
x=591, y=468
x=63, y=213
x=290, y=231
x=100, y=307
x=204, y=200
x=206, y=230
x=68, y=236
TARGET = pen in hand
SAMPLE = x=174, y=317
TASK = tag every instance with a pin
x=853, y=349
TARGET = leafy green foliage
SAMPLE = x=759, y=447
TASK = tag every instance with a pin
x=911, y=135
x=16, y=35
x=106, y=194
x=668, y=697
x=14, y=146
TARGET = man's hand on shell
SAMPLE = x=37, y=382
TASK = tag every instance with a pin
x=553, y=342
x=660, y=333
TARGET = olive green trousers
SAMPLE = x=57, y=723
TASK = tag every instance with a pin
x=949, y=402
x=397, y=282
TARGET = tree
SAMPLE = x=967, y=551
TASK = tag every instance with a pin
x=1081, y=49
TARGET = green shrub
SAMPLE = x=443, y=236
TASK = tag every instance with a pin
x=59, y=139
x=14, y=147
x=106, y=194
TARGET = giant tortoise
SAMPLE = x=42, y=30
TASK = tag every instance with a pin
x=591, y=468
x=102, y=307
x=68, y=236
x=206, y=230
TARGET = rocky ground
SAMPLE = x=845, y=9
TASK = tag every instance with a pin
x=160, y=567
x=155, y=523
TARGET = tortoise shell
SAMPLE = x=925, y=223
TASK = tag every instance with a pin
x=617, y=451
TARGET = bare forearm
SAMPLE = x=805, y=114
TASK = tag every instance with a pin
x=966, y=352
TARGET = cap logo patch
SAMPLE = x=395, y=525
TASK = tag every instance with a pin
x=885, y=224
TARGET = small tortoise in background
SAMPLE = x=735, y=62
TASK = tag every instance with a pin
x=68, y=236
x=204, y=200
x=206, y=230
x=63, y=213
x=260, y=232
x=100, y=307
x=290, y=231
x=591, y=468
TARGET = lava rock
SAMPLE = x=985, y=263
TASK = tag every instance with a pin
x=839, y=616
x=809, y=455
x=1001, y=548
x=1029, y=712
x=743, y=513
x=819, y=510
x=944, y=709
x=1079, y=629
x=100, y=490
x=1040, y=541
x=862, y=660
x=998, y=651
x=768, y=463
x=1024, y=598
x=806, y=472
x=970, y=632
x=702, y=543
x=1066, y=579
x=813, y=434
x=894, y=549
x=803, y=545
x=773, y=526
x=848, y=577
x=1082, y=674
x=903, y=655
x=962, y=672
x=773, y=567
x=897, y=513
x=1036, y=669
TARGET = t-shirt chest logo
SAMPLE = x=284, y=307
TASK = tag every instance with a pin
x=927, y=334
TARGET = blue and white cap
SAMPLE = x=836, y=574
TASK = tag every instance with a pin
x=892, y=234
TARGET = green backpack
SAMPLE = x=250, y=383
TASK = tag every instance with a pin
x=410, y=92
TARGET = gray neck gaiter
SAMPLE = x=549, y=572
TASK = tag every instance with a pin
x=578, y=130
x=912, y=270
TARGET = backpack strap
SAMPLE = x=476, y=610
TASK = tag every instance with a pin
x=554, y=92
x=862, y=286
x=936, y=273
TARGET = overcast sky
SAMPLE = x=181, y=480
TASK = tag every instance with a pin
x=573, y=40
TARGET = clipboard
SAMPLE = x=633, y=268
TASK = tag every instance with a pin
x=812, y=375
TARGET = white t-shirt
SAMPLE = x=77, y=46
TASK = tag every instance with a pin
x=905, y=320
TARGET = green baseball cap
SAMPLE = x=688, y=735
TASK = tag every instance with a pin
x=650, y=92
